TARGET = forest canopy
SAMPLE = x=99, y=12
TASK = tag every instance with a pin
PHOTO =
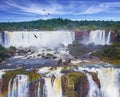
x=59, y=23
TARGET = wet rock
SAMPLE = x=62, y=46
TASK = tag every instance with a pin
x=75, y=84
x=95, y=78
x=67, y=62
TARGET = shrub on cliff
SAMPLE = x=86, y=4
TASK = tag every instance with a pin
x=3, y=53
x=77, y=49
x=74, y=84
x=109, y=53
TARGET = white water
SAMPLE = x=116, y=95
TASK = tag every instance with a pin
x=38, y=38
x=94, y=90
x=1, y=73
x=38, y=92
x=53, y=90
x=110, y=82
x=98, y=37
x=19, y=87
x=1, y=41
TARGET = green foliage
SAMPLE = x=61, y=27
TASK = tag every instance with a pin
x=74, y=77
x=74, y=49
x=59, y=23
x=11, y=48
x=109, y=53
x=70, y=81
x=34, y=76
x=77, y=49
x=3, y=53
x=11, y=74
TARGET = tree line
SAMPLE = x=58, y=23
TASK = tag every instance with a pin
x=59, y=23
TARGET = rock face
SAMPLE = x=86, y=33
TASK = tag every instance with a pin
x=34, y=88
x=79, y=35
x=67, y=81
x=75, y=84
x=95, y=78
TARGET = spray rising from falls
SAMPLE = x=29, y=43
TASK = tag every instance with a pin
x=99, y=37
x=36, y=38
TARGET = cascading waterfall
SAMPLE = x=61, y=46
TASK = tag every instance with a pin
x=19, y=87
x=37, y=38
x=53, y=90
x=9, y=88
x=110, y=82
x=94, y=90
x=108, y=37
x=1, y=41
x=1, y=73
x=38, y=92
x=98, y=37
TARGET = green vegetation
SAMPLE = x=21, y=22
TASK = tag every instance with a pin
x=77, y=49
x=11, y=74
x=71, y=82
x=110, y=53
x=3, y=53
x=59, y=23
x=74, y=77
x=6, y=52
x=33, y=76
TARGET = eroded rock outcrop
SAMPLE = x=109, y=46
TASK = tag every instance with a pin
x=75, y=84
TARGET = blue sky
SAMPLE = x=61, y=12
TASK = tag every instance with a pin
x=27, y=10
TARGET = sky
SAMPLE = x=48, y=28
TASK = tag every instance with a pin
x=27, y=10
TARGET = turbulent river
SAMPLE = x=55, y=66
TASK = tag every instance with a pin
x=20, y=85
x=24, y=76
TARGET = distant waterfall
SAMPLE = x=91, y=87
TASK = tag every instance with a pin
x=53, y=90
x=19, y=87
x=37, y=38
x=98, y=37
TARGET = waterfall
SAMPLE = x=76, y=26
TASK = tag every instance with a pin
x=109, y=85
x=1, y=41
x=98, y=37
x=94, y=90
x=110, y=82
x=54, y=90
x=37, y=38
x=9, y=88
x=108, y=37
x=19, y=86
x=1, y=73
x=38, y=92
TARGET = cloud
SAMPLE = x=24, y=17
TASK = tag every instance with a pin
x=94, y=10
x=72, y=7
x=34, y=8
x=102, y=7
x=111, y=4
